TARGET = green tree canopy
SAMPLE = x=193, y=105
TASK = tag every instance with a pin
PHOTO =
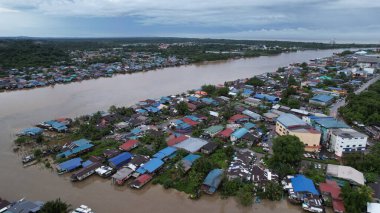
x=287, y=154
x=55, y=206
x=355, y=198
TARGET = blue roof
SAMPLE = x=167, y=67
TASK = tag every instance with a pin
x=249, y=125
x=213, y=179
x=303, y=184
x=322, y=98
x=193, y=99
x=288, y=120
x=70, y=164
x=141, y=111
x=56, y=125
x=166, y=152
x=152, y=109
x=240, y=133
x=120, y=159
x=251, y=114
x=87, y=163
x=150, y=166
x=269, y=98
x=329, y=122
x=136, y=131
x=178, y=121
x=191, y=158
x=32, y=131
x=79, y=146
x=184, y=126
x=193, y=117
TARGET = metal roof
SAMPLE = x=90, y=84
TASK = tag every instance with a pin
x=301, y=183
x=191, y=144
x=290, y=120
x=346, y=173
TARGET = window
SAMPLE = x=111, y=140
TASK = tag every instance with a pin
x=353, y=145
x=348, y=146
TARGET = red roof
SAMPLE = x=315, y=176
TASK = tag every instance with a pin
x=128, y=145
x=333, y=189
x=237, y=117
x=176, y=140
x=191, y=106
x=226, y=133
x=189, y=121
x=144, y=178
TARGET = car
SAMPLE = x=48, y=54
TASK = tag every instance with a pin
x=315, y=166
x=319, y=166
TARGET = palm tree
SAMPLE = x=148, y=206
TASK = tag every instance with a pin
x=56, y=206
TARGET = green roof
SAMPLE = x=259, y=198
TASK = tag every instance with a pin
x=214, y=129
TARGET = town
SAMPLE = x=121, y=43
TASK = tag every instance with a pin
x=47, y=63
x=292, y=133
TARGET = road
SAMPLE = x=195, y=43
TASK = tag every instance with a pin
x=334, y=108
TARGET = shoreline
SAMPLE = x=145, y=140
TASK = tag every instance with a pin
x=65, y=183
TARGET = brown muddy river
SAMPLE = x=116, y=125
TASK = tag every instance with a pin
x=21, y=109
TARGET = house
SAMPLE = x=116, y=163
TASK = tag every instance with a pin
x=151, y=166
x=346, y=141
x=300, y=188
x=241, y=166
x=331, y=193
x=209, y=148
x=166, y=153
x=32, y=131
x=129, y=145
x=69, y=165
x=121, y=176
x=141, y=181
x=75, y=148
x=137, y=161
x=120, y=160
x=269, y=98
x=261, y=175
x=289, y=124
x=85, y=172
x=56, y=126
x=252, y=102
x=110, y=153
x=191, y=144
x=238, y=134
x=212, y=181
x=322, y=100
x=325, y=125
x=252, y=115
x=225, y=134
x=176, y=139
x=25, y=206
x=345, y=173
x=188, y=161
x=238, y=118
x=213, y=130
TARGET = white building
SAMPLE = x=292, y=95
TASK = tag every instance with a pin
x=347, y=140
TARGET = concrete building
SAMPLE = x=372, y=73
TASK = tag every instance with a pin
x=347, y=140
x=289, y=124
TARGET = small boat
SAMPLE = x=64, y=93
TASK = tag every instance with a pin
x=83, y=209
x=28, y=159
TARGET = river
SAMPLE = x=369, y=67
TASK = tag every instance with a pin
x=21, y=109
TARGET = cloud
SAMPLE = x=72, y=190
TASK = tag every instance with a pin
x=271, y=18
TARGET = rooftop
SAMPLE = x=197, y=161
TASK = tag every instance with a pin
x=289, y=120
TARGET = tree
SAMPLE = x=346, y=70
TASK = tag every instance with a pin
x=287, y=154
x=255, y=81
x=355, y=198
x=55, y=206
x=292, y=81
x=230, y=188
x=210, y=89
x=273, y=191
x=112, y=109
x=245, y=195
x=182, y=108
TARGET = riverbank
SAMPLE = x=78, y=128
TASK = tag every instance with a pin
x=24, y=108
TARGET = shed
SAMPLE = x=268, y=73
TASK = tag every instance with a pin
x=303, y=184
x=212, y=181
x=151, y=166
x=69, y=165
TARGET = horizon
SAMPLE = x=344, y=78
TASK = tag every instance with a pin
x=296, y=20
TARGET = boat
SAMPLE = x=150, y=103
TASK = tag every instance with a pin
x=83, y=209
x=104, y=171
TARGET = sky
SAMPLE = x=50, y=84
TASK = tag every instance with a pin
x=300, y=20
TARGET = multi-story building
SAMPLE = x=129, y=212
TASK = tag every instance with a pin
x=347, y=140
x=289, y=124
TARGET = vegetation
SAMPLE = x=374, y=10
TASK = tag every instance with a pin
x=182, y=108
x=355, y=198
x=55, y=206
x=255, y=81
x=287, y=155
x=245, y=195
x=364, y=107
x=273, y=191
x=369, y=163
